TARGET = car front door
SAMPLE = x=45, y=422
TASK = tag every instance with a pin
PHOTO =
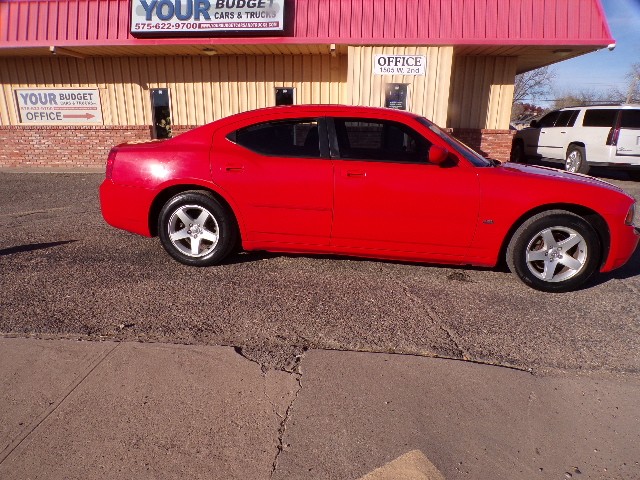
x=546, y=136
x=388, y=198
x=555, y=137
x=279, y=174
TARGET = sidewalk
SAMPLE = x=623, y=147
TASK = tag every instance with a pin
x=85, y=410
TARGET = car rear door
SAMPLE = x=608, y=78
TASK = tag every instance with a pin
x=279, y=174
x=628, y=146
x=389, y=198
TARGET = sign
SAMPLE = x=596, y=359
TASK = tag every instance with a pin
x=202, y=16
x=399, y=64
x=58, y=106
x=396, y=96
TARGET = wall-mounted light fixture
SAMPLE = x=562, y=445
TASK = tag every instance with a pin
x=65, y=52
x=563, y=52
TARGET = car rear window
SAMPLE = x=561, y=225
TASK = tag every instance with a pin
x=285, y=138
x=600, y=118
x=630, y=119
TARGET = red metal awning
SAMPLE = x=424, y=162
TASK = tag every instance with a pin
x=80, y=23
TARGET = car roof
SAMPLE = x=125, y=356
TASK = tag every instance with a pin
x=315, y=109
x=604, y=106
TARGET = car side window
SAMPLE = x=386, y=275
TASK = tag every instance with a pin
x=600, y=118
x=548, y=120
x=282, y=138
x=381, y=140
x=567, y=118
x=630, y=119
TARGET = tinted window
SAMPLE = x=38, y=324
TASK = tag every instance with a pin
x=380, y=140
x=599, y=118
x=548, y=120
x=567, y=118
x=630, y=119
x=289, y=138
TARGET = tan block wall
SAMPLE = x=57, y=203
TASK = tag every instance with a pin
x=428, y=94
x=481, y=92
x=202, y=89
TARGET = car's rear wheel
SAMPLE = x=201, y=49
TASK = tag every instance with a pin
x=576, y=160
x=554, y=251
x=195, y=229
x=517, y=153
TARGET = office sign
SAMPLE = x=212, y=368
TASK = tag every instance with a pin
x=188, y=17
x=399, y=64
x=58, y=106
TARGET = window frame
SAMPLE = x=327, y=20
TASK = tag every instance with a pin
x=407, y=129
x=323, y=146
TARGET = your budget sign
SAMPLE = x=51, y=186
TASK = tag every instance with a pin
x=58, y=106
x=201, y=16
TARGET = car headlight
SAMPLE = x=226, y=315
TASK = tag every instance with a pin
x=630, y=215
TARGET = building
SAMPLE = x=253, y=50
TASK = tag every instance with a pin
x=79, y=76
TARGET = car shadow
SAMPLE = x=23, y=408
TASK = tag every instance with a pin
x=32, y=247
x=629, y=270
x=247, y=257
x=455, y=272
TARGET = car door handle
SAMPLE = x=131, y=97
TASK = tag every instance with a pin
x=234, y=168
x=354, y=174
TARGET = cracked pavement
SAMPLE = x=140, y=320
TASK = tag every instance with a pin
x=66, y=273
x=295, y=366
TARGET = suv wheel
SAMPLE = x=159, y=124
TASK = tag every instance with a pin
x=517, y=153
x=576, y=161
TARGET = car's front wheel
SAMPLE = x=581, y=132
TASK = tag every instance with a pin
x=195, y=229
x=554, y=251
x=576, y=160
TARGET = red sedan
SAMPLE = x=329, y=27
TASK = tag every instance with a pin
x=364, y=182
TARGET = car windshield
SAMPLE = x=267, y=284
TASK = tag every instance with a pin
x=474, y=157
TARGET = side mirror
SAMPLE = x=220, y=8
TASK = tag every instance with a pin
x=438, y=155
x=534, y=124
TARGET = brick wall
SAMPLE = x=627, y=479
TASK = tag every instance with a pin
x=489, y=143
x=88, y=146
x=63, y=147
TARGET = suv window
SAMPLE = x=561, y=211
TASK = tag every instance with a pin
x=286, y=138
x=630, y=119
x=380, y=140
x=567, y=118
x=548, y=120
x=599, y=118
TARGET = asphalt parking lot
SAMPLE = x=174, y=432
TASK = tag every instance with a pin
x=65, y=273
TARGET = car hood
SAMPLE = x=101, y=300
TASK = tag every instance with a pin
x=547, y=172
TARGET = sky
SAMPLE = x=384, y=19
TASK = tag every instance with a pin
x=602, y=70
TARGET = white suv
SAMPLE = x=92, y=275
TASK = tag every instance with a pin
x=582, y=137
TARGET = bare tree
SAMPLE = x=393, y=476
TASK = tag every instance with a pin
x=530, y=86
x=633, y=92
x=582, y=98
x=533, y=84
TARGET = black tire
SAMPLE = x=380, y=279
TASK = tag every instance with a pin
x=195, y=229
x=517, y=153
x=634, y=175
x=554, y=251
x=576, y=160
